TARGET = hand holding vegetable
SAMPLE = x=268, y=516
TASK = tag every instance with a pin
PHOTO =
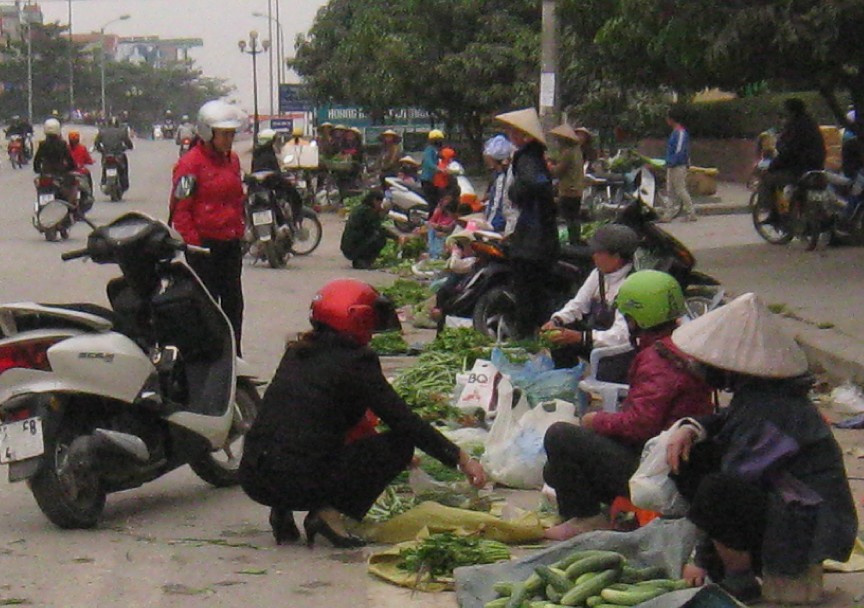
x=679, y=447
x=473, y=470
x=559, y=335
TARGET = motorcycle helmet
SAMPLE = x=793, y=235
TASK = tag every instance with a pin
x=185, y=118
x=266, y=136
x=297, y=131
x=436, y=134
x=615, y=239
x=52, y=126
x=650, y=298
x=74, y=137
x=217, y=114
x=353, y=308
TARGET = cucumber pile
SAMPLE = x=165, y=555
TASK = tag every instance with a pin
x=593, y=579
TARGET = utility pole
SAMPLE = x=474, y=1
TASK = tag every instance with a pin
x=71, y=68
x=270, y=50
x=550, y=108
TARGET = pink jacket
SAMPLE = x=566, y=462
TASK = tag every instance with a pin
x=664, y=387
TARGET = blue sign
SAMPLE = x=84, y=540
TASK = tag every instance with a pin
x=292, y=98
x=282, y=124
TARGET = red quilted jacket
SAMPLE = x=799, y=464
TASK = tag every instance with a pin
x=664, y=387
x=215, y=210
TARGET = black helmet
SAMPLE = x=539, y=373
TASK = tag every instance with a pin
x=615, y=239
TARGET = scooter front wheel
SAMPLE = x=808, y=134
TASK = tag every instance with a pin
x=71, y=498
x=221, y=468
x=769, y=225
x=307, y=233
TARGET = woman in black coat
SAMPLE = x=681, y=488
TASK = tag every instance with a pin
x=534, y=242
x=297, y=456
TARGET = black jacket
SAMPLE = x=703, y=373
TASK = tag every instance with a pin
x=800, y=147
x=53, y=157
x=264, y=159
x=536, y=234
x=321, y=389
x=363, y=236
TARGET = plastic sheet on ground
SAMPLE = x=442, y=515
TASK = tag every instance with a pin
x=663, y=542
x=525, y=528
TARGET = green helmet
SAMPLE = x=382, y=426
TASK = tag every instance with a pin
x=650, y=298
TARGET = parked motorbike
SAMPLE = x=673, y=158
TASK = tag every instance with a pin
x=806, y=209
x=273, y=232
x=606, y=195
x=848, y=197
x=111, y=186
x=15, y=150
x=405, y=204
x=57, y=206
x=96, y=400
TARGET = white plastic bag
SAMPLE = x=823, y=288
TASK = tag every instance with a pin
x=514, y=453
x=650, y=486
x=485, y=388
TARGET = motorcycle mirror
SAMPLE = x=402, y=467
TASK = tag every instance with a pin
x=184, y=188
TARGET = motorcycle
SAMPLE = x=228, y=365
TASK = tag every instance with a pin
x=15, y=149
x=168, y=129
x=606, y=195
x=111, y=186
x=848, y=197
x=405, y=204
x=806, y=210
x=185, y=146
x=57, y=206
x=96, y=400
x=273, y=231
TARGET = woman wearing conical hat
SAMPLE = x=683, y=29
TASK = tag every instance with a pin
x=534, y=241
x=571, y=177
x=391, y=152
x=765, y=476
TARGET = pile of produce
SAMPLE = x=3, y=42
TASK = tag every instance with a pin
x=389, y=343
x=404, y=292
x=426, y=385
x=439, y=554
x=390, y=504
x=596, y=579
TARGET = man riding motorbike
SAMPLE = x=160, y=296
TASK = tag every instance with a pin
x=264, y=158
x=54, y=158
x=185, y=130
x=114, y=140
x=81, y=157
x=800, y=148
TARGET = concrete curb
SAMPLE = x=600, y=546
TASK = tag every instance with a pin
x=837, y=355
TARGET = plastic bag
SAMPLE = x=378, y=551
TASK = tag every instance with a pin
x=848, y=398
x=485, y=388
x=514, y=454
x=539, y=379
x=650, y=486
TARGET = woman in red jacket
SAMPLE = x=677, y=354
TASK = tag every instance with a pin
x=592, y=463
x=207, y=207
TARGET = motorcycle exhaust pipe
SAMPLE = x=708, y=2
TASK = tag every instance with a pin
x=85, y=450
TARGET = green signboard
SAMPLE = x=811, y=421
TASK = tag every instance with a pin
x=355, y=117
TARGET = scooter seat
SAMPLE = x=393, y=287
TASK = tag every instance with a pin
x=90, y=309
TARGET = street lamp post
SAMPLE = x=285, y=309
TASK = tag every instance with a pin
x=254, y=48
x=102, y=63
x=280, y=37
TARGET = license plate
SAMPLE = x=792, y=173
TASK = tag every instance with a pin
x=301, y=183
x=21, y=440
x=261, y=218
x=44, y=199
x=111, y=172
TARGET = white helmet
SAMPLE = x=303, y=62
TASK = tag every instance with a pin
x=266, y=136
x=52, y=126
x=218, y=114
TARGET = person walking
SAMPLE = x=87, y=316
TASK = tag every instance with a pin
x=569, y=169
x=534, y=241
x=207, y=208
x=678, y=162
x=429, y=166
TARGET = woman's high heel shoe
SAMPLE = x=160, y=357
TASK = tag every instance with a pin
x=313, y=525
x=283, y=526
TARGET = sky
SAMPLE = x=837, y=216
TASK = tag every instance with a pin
x=220, y=23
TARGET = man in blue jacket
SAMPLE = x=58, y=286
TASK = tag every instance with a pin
x=429, y=167
x=677, y=163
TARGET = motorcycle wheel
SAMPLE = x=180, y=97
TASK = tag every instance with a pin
x=69, y=499
x=416, y=217
x=50, y=235
x=116, y=195
x=307, y=233
x=221, y=468
x=276, y=254
x=666, y=209
x=494, y=314
x=774, y=234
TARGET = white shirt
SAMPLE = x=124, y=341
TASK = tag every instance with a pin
x=580, y=306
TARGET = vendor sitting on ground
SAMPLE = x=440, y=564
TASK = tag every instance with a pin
x=365, y=235
x=592, y=463
x=590, y=320
x=765, y=476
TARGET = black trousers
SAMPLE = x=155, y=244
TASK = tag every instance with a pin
x=530, y=279
x=571, y=208
x=350, y=480
x=586, y=469
x=220, y=272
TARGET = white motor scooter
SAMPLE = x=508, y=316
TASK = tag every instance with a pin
x=407, y=206
x=96, y=400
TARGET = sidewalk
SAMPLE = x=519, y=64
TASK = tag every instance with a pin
x=730, y=198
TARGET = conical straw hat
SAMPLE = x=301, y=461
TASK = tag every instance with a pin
x=745, y=337
x=526, y=121
x=565, y=131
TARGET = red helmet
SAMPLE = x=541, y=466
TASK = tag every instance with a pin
x=353, y=308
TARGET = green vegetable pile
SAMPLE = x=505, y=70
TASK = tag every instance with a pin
x=389, y=343
x=404, y=292
x=426, y=385
x=389, y=505
x=440, y=554
x=593, y=579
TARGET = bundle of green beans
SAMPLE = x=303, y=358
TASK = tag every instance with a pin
x=440, y=554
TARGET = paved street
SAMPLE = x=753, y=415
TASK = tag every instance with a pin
x=177, y=542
